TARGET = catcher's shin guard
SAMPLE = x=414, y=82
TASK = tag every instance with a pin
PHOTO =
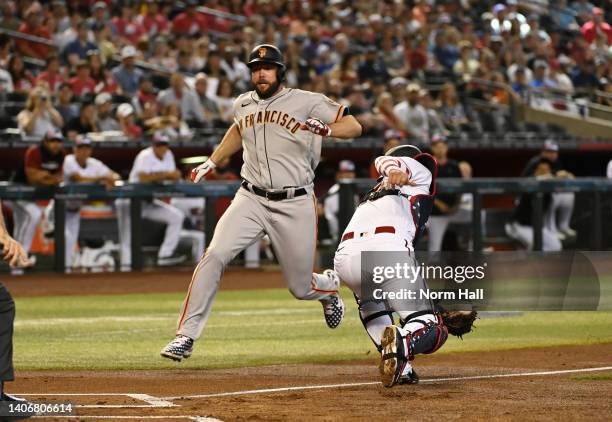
x=375, y=317
x=427, y=339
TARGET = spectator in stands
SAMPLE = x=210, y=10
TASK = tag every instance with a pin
x=152, y=20
x=100, y=74
x=102, y=35
x=170, y=124
x=189, y=22
x=5, y=50
x=540, y=79
x=23, y=81
x=77, y=50
x=82, y=83
x=466, y=65
x=446, y=53
x=235, y=69
x=125, y=117
x=99, y=16
x=451, y=110
x=436, y=125
x=595, y=26
x=104, y=113
x=562, y=203
x=127, y=26
x=162, y=56
x=42, y=166
x=445, y=205
x=561, y=80
x=214, y=71
x=80, y=167
x=605, y=98
x=393, y=138
x=32, y=25
x=209, y=106
x=520, y=85
x=145, y=94
x=331, y=201
x=413, y=115
x=51, y=77
x=583, y=77
x=225, y=101
x=383, y=113
x=521, y=223
x=6, y=82
x=10, y=20
x=154, y=164
x=39, y=116
x=372, y=67
x=65, y=107
x=178, y=92
x=85, y=123
x=126, y=74
x=563, y=16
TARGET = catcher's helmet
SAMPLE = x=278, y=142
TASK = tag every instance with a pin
x=403, y=151
x=268, y=53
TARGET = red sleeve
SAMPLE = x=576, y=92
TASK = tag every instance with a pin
x=33, y=159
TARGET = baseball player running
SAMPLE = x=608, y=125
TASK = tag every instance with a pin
x=280, y=131
x=391, y=218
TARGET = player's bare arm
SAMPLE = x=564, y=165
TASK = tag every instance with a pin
x=230, y=144
x=41, y=177
x=346, y=127
x=13, y=252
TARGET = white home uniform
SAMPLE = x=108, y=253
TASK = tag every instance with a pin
x=93, y=168
x=147, y=162
x=279, y=159
x=389, y=223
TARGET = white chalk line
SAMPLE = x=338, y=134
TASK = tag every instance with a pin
x=152, y=401
x=360, y=384
x=154, y=317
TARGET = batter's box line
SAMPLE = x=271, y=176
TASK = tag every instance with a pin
x=152, y=401
x=361, y=384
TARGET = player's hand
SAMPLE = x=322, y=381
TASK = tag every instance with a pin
x=317, y=127
x=202, y=170
x=14, y=253
x=398, y=178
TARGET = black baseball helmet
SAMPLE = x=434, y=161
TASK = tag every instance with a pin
x=268, y=53
x=403, y=151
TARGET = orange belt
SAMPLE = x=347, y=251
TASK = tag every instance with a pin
x=379, y=229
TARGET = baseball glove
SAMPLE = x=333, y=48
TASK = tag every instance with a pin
x=459, y=323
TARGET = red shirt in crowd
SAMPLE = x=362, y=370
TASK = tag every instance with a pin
x=152, y=24
x=53, y=80
x=589, y=30
x=134, y=131
x=41, y=50
x=82, y=86
x=131, y=30
x=222, y=203
x=185, y=24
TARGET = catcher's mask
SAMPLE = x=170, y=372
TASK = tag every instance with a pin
x=404, y=151
x=268, y=53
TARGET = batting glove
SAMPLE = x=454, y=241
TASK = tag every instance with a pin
x=202, y=170
x=317, y=127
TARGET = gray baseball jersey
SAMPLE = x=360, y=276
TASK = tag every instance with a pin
x=277, y=154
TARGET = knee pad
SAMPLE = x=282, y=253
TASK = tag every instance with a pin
x=427, y=339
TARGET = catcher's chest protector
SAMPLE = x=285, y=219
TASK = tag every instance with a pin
x=421, y=205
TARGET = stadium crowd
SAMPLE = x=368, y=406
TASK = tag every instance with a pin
x=424, y=67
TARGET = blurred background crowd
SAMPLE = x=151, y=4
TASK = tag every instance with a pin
x=425, y=68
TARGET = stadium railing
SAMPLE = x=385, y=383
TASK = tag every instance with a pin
x=348, y=188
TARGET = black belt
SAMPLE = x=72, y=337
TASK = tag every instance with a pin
x=272, y=196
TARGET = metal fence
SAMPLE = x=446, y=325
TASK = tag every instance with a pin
x=138, y=193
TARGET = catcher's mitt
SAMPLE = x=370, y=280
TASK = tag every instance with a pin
x=459, y=323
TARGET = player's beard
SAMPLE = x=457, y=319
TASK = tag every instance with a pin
x=272, y=88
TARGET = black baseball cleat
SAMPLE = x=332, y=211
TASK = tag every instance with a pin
x=178, y=349
x=333, y=309
x=410, y=378
x=393, y=356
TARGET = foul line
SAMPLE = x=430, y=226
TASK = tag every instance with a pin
x=360, y=384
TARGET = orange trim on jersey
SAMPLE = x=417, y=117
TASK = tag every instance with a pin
x=312, y=286
x=188, y=298
x=338, y=114
x=314, y=257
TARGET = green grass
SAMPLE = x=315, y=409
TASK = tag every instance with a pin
x=246, y=328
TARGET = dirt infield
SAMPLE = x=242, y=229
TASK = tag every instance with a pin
x=450, y=389
x=533, y=397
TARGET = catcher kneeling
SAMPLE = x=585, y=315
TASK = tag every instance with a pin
x=391, y=218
